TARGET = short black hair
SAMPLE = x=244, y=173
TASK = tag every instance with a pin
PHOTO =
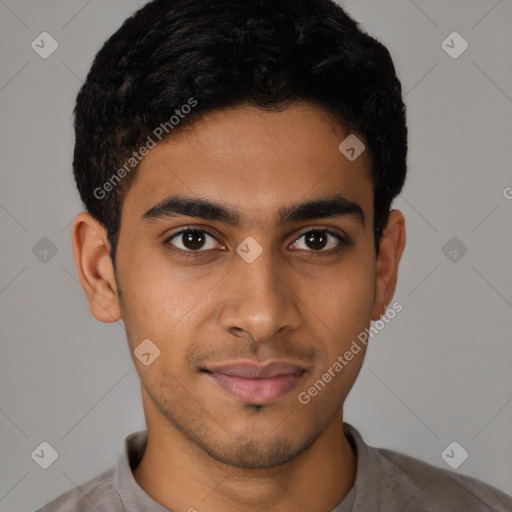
x=176, y=60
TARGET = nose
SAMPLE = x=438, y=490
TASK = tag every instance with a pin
x=258, y=298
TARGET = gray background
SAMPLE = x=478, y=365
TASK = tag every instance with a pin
x=439, y=372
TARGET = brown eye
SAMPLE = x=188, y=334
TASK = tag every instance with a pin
x=318, y=240
x=192, y=240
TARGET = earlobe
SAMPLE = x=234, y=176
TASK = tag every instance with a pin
x=94, y=267
x=391, y=247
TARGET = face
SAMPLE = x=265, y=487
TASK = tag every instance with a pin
x=246, y=255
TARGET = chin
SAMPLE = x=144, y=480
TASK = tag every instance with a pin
x=258, y=452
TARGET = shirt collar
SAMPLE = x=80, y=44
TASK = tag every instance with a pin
x=134, y=498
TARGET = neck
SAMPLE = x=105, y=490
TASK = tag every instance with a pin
x=180, y=477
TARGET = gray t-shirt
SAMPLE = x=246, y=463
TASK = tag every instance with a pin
x=386, y=481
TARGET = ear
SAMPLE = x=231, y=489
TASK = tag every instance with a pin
x=94, y=266
x=391, y=247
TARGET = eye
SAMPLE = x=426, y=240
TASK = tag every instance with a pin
x=320, y=240
x=192, y=240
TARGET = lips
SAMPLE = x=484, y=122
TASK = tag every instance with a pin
x=254, y=383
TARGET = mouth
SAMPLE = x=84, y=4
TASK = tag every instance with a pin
x=253, y=383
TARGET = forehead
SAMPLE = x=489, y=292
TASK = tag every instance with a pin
x=255, y=161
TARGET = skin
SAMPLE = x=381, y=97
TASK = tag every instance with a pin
x=207, y=450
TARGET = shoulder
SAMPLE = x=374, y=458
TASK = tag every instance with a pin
x=99, y=493
x=430, y=488
x=387, y=481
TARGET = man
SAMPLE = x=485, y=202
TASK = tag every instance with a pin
x=238, y=161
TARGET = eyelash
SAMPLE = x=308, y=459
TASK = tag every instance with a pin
x=344, y=242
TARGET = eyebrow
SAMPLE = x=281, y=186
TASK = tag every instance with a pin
x=328, y=207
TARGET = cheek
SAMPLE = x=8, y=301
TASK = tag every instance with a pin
x=342, y=296
x=352, y=296
x=153, y=290
x=164, y=304
x=342, y=307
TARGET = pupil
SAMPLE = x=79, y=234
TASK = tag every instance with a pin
x=316, y=240
x=193, y=240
